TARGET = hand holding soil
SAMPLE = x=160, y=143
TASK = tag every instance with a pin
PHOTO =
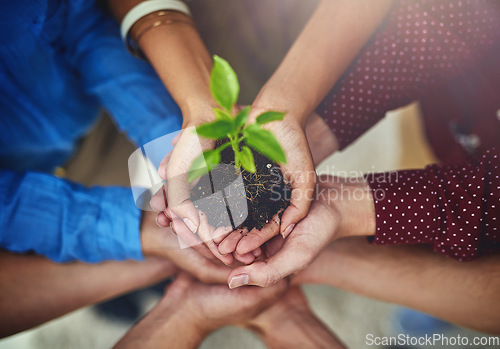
x=299, y=174
x=340, y=209
x=215, y=187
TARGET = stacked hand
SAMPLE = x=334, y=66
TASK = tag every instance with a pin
x=298, y=172
x=340, y=208
x=190, y=311
x=188, y=223
x=174, y=205
x=268, y=256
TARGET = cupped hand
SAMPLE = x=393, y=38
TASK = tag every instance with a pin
x=173, y=203
x=162, y=242
x=340, y=208
x=298, y=172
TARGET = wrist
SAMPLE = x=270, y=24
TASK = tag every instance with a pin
x=185, y=70
x=354, y=204
x=278, y=99
x=179, y=319
x=179, y=305
x=198, y=111
x=148, y=236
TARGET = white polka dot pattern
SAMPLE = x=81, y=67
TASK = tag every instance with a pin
x=422, y=45
x=454, y=208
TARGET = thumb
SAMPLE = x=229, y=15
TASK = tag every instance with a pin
x=303, y=185
x=291, y=258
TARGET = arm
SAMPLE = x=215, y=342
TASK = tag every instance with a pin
x=126, y=86
x=90, y=225
x=385, y=74
x=65, y=221
x=462, y=293
x=36, y=290
x=190, y=311
x=455, y=208
x=167, y=325
x=185, y=70
x=325, y=48
x=290, y=323
x=310, y=69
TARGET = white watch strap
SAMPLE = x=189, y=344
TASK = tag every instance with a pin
x=147, y=7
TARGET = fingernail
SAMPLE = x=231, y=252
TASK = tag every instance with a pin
x=288, y=230
x=156, y=220
x=190, y=225
x=152, y=207
x=239, y=280
x=167, y=213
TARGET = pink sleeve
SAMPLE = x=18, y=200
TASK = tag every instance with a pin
x=456, y=209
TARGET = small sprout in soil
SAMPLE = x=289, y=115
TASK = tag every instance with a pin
x=232, y=126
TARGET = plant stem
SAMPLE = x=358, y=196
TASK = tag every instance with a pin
x=224, y=146
x=234, y=143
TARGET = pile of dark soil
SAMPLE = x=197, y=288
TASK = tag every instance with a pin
x=220, y=195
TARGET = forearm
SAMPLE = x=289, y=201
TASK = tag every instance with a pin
x=290, y=323
x=180, y=58
x=462, y=293
x=326, y=47
x=36, y=290
x=308, y=332
x=165, y=326
x=453, y=208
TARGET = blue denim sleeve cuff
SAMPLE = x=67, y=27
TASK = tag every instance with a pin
x=118, y=225
x=65, y=221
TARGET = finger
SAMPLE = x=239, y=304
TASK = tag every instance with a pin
x=272, y=246
x=162, y=169
x=176, y=138
x=221, y=233
x=228, y=245
x=158, y=201
x=257, y=252
x=183, y=208
x=303, y=185
x=247, y=258
x=179, y=201
x=162, y=220
x=257, y=238
x=205, y=232
x=189, y=239
x=188, y=147
x=292, y=257
x=200, y=267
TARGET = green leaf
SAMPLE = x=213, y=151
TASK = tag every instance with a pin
x=222, y=114
x=216, y=130
x=265, y=143
x=269, y=116
x=203, y=163
x=224, y=84
x=242, y=117
x=246, y=158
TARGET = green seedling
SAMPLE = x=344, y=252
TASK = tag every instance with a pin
x=225, y=89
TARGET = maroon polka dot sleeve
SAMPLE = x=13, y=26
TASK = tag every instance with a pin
x=454, y=208
x=422, y=45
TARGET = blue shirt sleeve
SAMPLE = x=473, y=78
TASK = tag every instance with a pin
x=127, y=86
x=65, y=221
